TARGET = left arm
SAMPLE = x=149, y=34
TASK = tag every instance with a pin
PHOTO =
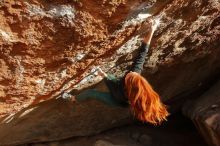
x=104, y=97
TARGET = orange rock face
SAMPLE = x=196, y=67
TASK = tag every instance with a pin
x=47, y=47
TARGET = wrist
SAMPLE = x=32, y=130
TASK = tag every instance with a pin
x=102, y=73
x=147, y=39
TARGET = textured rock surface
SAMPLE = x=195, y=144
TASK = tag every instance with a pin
x=57, y=119
x=205, y=113
x=47, y=47
x=50, y=46
x=172, y=133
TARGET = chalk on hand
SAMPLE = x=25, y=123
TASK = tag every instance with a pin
x=156, y=23
x=143, y=16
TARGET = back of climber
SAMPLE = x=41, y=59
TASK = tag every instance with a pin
x=132, y=90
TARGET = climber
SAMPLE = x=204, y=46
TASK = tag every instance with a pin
x=131, y=90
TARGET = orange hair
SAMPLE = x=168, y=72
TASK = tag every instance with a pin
x=144, y=102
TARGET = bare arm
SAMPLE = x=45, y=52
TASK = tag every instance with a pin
x=101, y=73
x=147, y=38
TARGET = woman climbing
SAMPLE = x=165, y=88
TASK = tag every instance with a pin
x=132, y=90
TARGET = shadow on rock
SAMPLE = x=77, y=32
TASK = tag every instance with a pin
x=58, y=119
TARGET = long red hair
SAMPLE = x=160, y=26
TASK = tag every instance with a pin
x=144, y=102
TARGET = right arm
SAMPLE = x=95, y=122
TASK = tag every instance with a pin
x=143, y=50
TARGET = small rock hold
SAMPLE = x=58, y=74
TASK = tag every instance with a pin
x=214, y=106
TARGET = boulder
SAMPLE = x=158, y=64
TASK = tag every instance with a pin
x=48, y=47
x=171, y=133
x=58, y=119
x=205, y=113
